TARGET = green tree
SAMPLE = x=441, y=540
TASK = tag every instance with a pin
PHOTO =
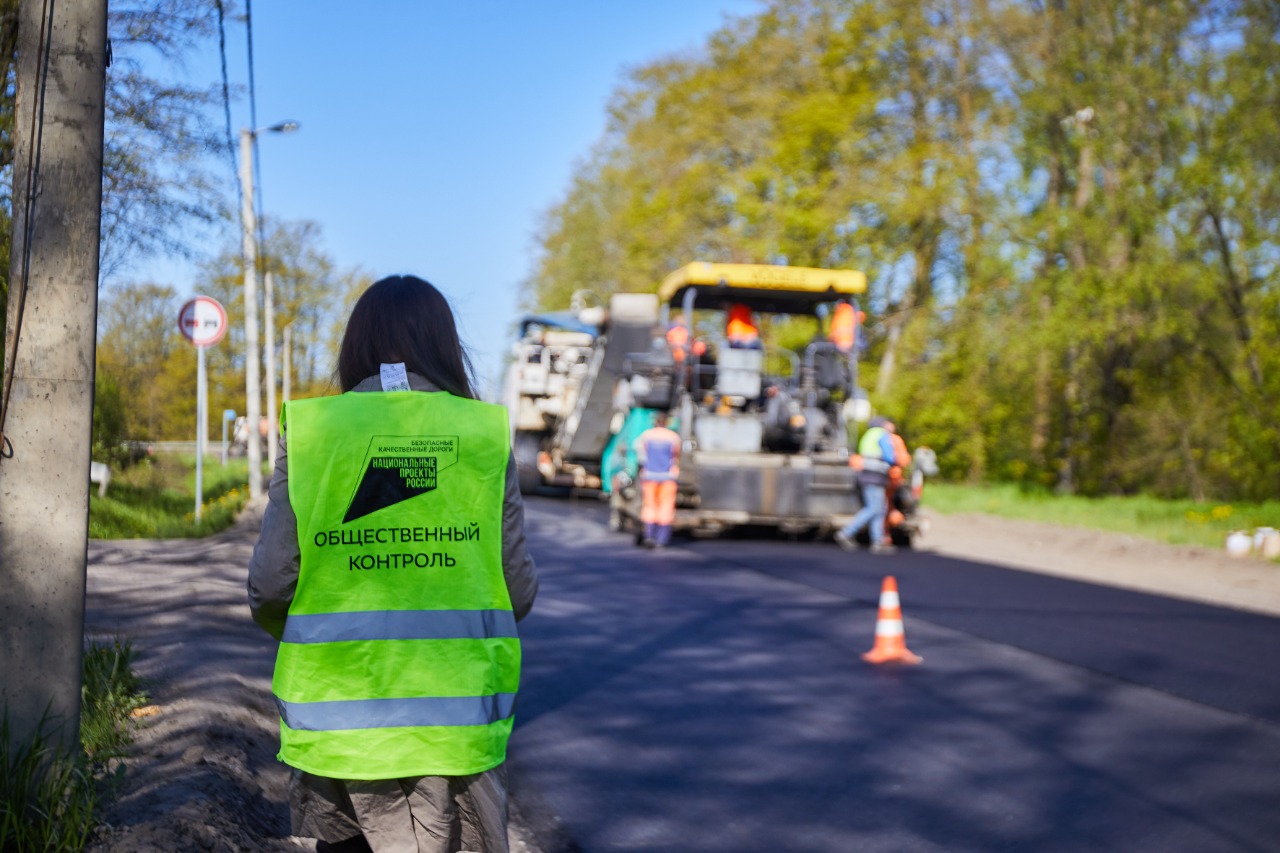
x=1067, y=210
x=160, y=189
x=109, y=414
x=137, y=337
x=142, y=354
x=313, y=296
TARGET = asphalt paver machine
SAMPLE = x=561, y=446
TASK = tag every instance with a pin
x=766, y=431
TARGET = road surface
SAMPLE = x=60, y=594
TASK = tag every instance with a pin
x=711, y=697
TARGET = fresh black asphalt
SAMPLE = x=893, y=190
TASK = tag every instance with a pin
x=711, y=697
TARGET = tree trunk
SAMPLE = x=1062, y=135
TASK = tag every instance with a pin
x=893, y=332
x=1233, y=291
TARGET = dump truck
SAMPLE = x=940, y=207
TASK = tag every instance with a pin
x=767, y=432
x=559, y=387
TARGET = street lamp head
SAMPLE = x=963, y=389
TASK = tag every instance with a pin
x=282, y=127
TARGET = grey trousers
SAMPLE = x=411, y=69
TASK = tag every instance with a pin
x=426, y=814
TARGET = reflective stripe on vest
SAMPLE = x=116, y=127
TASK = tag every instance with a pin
x=388, y=713
x=399, y=625
x=400, y=655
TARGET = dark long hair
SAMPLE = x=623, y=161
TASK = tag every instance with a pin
x=402, y=318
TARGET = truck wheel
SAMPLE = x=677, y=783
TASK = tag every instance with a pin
x=526, y=450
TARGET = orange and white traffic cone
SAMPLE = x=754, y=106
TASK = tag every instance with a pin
x=891, y=640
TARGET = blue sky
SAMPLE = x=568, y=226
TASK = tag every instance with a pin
x=434, y=134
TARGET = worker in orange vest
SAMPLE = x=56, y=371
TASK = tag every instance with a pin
x=658, y=452
x=844, y=326
x=901, y=460
x=678, y=340
x=741, y=330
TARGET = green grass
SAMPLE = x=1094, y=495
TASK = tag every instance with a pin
x=110, y=693
x=156, y=499
x=49, y=797
x=1175, y=522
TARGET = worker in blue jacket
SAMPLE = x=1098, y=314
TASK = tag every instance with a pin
x=874, y=459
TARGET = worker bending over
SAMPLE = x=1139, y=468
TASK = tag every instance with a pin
x=873, y=460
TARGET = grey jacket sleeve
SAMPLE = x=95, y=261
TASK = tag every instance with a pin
x=517, y=566
x=273, y=568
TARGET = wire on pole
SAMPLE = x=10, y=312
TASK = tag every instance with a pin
x=28, y=204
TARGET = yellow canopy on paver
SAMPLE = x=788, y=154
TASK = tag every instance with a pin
x=767, y=288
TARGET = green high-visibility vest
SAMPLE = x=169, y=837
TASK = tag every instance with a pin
x=400, y=655
x=869, y=449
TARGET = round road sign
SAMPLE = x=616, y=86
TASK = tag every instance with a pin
x=203, y=321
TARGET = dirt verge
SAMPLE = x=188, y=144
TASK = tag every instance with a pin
x=202, y=773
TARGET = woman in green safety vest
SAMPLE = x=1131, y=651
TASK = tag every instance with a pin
x=392, y=568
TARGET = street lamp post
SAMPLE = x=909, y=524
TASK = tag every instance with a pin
x=288, y=362
x=252, y=382
x=269, y=353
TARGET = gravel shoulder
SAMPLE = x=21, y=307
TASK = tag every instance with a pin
x=1180, y=571
x=202, y=773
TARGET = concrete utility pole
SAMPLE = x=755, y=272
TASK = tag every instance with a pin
x=44, y=487
x=252, y=354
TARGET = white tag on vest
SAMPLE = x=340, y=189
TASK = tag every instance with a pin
x=394, y=377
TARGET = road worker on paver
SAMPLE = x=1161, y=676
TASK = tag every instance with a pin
x=740, y=330
x=678, y=338
x=844, y=326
